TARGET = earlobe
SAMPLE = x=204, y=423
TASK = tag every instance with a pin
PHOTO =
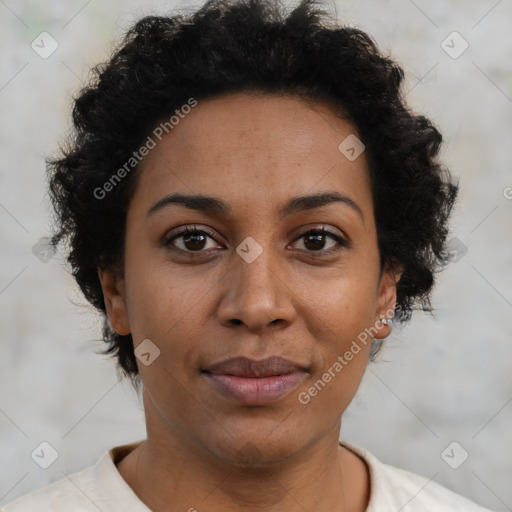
x=115, y=300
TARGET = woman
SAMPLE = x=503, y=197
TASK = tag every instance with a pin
x=249, y=202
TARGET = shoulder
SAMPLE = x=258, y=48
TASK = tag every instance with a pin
x=97, y=487
x=68, y=493
x=393, y=488
x=423, y=494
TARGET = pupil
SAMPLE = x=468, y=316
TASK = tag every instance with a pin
x=317, y=239
x=194, y=237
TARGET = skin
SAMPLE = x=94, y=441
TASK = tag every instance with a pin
x=204, y=451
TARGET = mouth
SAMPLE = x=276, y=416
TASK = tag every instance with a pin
x=251, y=382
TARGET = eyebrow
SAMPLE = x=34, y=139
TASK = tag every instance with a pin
x=216, y=207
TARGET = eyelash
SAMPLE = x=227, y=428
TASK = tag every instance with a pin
x=342, y=243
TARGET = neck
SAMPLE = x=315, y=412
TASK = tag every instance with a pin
x=169, y=473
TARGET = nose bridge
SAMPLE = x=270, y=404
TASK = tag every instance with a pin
x=254, y=269
x=255, y=293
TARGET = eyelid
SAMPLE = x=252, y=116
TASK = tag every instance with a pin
x=342, y=240
x=190, y=228
x=321, y=228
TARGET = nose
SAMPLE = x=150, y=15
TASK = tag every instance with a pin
x=256, y=293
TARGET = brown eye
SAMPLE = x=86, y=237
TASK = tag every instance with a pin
x=315, y=240
x=190, y=240
x=194, y=241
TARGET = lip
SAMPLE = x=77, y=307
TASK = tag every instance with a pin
x=252, y=382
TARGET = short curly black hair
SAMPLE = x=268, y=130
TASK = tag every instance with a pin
x=249, y=46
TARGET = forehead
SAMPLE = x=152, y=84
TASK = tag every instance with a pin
x=245, y=148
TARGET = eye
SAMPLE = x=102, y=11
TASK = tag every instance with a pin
x=192, y=240
x=315, y=240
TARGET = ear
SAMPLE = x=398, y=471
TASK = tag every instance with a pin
x=386, y=300
x=115, y=300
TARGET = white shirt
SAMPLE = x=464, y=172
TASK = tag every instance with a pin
x=101, y=487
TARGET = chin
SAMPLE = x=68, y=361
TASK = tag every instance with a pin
x=256, y=452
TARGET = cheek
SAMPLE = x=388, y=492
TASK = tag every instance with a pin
x=339, y=316
x=341, y=352
x=158, y=295
x=168, y=307
x=342, y=304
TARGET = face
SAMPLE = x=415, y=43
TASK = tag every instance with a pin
x=254, y=278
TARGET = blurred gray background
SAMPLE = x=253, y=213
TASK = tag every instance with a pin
x=439, y=380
